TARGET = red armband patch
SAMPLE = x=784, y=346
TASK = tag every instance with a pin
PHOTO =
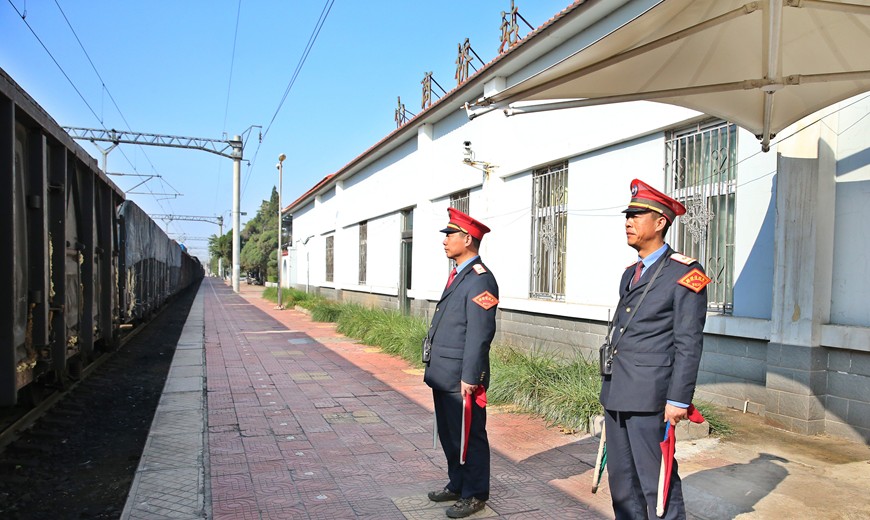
x=485, y=300
x=695, y=280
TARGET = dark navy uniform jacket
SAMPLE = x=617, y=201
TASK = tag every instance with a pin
x=462, y=329
x=657, y=358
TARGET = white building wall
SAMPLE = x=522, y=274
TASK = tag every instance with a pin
x=851, y=270
x=598, y=192
x=758, y=354
x=755, y=213
x=382, y=257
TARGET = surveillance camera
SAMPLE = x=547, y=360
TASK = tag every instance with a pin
x=467, y=143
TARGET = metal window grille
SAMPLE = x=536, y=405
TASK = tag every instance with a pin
x=549, y=232
x=330, y=250
x=408, y=223
x=407, y=254
x=460, y=201
x=363, y=251
x=701, y=172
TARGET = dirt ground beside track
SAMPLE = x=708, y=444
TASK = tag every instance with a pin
x=79, y=460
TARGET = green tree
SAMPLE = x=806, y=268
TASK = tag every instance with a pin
x=221, y=247
x=260, y=236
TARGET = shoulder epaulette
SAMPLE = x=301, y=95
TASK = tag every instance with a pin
x=683, y=259
x=479, y=268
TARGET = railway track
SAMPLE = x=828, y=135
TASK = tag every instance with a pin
x=75, y=455
x=17, y=420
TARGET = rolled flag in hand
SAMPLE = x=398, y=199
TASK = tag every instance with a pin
x=668, y=447
x=479, y=396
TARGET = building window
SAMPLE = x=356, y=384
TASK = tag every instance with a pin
x=549, y=231
x=363, y=251
x=407, y=235
x=459, y=200
x=701, y=172
x=408, y=223
x=330, y=264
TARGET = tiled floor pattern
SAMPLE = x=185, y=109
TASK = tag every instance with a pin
x=304, y=423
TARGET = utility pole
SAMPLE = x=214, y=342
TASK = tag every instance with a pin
x=237, y=222
x=221, y=258
x=280, y=166
x=219, y=220
x=232, y=149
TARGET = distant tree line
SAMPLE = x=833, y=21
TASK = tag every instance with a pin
x=259, y=244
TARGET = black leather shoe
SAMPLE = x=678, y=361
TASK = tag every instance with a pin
x=443, y=495
x=465, y=507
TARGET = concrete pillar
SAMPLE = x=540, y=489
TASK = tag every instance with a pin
x=804, y=244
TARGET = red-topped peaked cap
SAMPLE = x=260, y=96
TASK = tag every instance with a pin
x=459, y=221
x=646, y=198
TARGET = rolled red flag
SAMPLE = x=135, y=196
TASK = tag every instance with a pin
x=479, y=397
x=668, y=447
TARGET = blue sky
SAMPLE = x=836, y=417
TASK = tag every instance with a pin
x=170, y=68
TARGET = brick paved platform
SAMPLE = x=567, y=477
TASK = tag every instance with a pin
x=303, y=423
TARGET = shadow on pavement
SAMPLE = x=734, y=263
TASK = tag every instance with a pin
x=734, y=489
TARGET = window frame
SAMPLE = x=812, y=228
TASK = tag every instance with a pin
x=363, y=251
x=329, y=275
x=701, y=172
x=548, y=255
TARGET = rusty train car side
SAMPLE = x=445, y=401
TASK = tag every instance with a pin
x=62, y=258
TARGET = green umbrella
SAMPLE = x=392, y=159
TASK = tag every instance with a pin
x=600, y=460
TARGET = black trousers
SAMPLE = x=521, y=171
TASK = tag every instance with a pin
x=472, y=478
x=634, y=459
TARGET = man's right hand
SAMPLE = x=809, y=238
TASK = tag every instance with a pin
x=466, y=389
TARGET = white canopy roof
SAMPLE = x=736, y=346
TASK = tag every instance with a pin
x=762, y=65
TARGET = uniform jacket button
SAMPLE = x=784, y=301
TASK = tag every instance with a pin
x=628, y=309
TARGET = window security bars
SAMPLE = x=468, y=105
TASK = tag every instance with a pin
x=460, y=201
x=549, y=232
x=330, y=263
x=363, y=251
x=701, y=173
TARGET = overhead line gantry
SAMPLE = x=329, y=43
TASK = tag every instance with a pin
x=229, y=148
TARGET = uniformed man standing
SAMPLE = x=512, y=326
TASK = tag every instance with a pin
x=657, y=349
x=460, y=335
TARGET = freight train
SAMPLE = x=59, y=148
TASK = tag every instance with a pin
x=78, y=262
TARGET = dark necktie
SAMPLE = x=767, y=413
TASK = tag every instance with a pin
x=638, y=268
x=450, y=278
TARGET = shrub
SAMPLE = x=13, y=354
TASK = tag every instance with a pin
x=289, y=297
x=562, y=392
x=390, y=330
x=324, y=310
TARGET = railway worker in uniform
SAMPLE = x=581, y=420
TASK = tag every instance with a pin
x=657, y=346
x=458, y=364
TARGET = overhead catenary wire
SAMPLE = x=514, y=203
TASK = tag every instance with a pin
x=327, y=7
x=74, y=86
x=102, y=81
x=229, y=90
x=324, y=13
